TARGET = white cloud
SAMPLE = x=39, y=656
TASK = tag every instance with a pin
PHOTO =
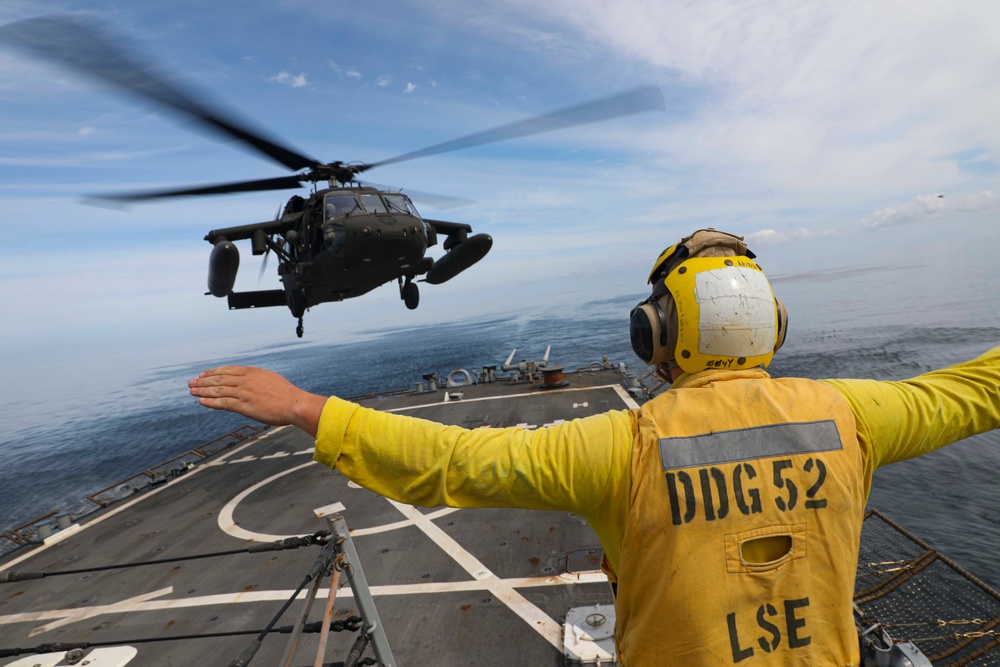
x=383, y=80
x=860, y=98
x=986, y=200
x=410, y=87
x=85, y=131
x=290, y=79
x=349, y=72
x=922, y=207
x=766, y=236
x=932, y=207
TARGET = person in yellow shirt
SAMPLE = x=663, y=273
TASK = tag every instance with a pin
x=747, y=489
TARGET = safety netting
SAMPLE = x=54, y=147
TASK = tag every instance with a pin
x=917, y=595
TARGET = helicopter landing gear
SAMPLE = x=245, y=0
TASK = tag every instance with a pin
x=409, y=293
x=297, y=304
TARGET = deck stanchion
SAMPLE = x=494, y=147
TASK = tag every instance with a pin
x=362, y=593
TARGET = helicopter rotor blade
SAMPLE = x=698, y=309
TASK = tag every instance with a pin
x=86, y=49
x=637, y=100
x=280, y=183
x=431, y=199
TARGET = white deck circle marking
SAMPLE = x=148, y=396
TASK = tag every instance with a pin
x=228, y=524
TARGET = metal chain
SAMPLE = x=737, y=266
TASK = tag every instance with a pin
x=975, y=634
x=903, y=566
x=939, y=622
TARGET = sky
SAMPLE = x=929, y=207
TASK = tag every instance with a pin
x=831, y=135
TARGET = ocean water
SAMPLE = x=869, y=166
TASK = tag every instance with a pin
x=883, y=322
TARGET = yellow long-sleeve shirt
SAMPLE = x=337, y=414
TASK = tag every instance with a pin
x=583, y=466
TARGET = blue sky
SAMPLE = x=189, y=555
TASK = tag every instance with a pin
x=824, y=132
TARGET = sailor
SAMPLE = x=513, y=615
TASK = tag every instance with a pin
x=729, y=507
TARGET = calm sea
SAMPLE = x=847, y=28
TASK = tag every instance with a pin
x=884, y=322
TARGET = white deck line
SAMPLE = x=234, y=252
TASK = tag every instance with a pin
x=626, y=397
x=507, y=396
x=541, y=622
x=279, y=595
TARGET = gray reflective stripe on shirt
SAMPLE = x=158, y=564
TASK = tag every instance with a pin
x=759, y=442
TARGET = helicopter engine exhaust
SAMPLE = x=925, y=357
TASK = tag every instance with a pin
x=222, y=267
x=460, y=257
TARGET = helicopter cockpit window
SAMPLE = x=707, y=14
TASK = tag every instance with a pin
x=336, y=209
x=373, y=203
x=400, y=204
x=338, y=206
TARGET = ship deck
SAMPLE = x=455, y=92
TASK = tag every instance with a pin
x=451, y=586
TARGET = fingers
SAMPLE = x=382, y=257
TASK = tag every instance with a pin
x=217, y=396
x=229, y=376
x=213, y=391
x=224, y=403
x=256, y=393
x=222, y=371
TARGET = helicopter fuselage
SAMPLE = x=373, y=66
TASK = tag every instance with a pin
x=340, y=243
x=353, y=253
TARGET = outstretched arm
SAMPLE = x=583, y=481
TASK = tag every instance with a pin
x=908, y=418
x=259, y=394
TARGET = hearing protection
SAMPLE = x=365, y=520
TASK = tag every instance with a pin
x=711, y=306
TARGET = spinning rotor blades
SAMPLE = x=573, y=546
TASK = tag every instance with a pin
x=637, y=100
x=86, y=49
x=280, y=183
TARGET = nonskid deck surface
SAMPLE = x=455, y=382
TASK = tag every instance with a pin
x=451, y=586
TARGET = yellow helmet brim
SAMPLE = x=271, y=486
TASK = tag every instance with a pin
x=661, y=261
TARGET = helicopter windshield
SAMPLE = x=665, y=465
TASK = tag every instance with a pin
x=338, y=206
x=400, y=204
x=373, y=203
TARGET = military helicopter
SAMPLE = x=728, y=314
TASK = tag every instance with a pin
x=339, y=242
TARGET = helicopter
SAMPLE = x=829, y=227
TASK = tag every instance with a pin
x=342, y=240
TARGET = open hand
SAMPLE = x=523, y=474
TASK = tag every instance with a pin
x=259, y=394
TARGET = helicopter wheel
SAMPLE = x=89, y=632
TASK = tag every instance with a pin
x=299, y=330
x=411, y=295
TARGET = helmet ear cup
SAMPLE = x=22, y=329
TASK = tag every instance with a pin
x=650, y=332
x=782, y=325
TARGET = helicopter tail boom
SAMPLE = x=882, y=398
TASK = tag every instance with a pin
x=257, y=299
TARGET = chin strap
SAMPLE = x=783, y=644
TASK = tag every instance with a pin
x=664, y=370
